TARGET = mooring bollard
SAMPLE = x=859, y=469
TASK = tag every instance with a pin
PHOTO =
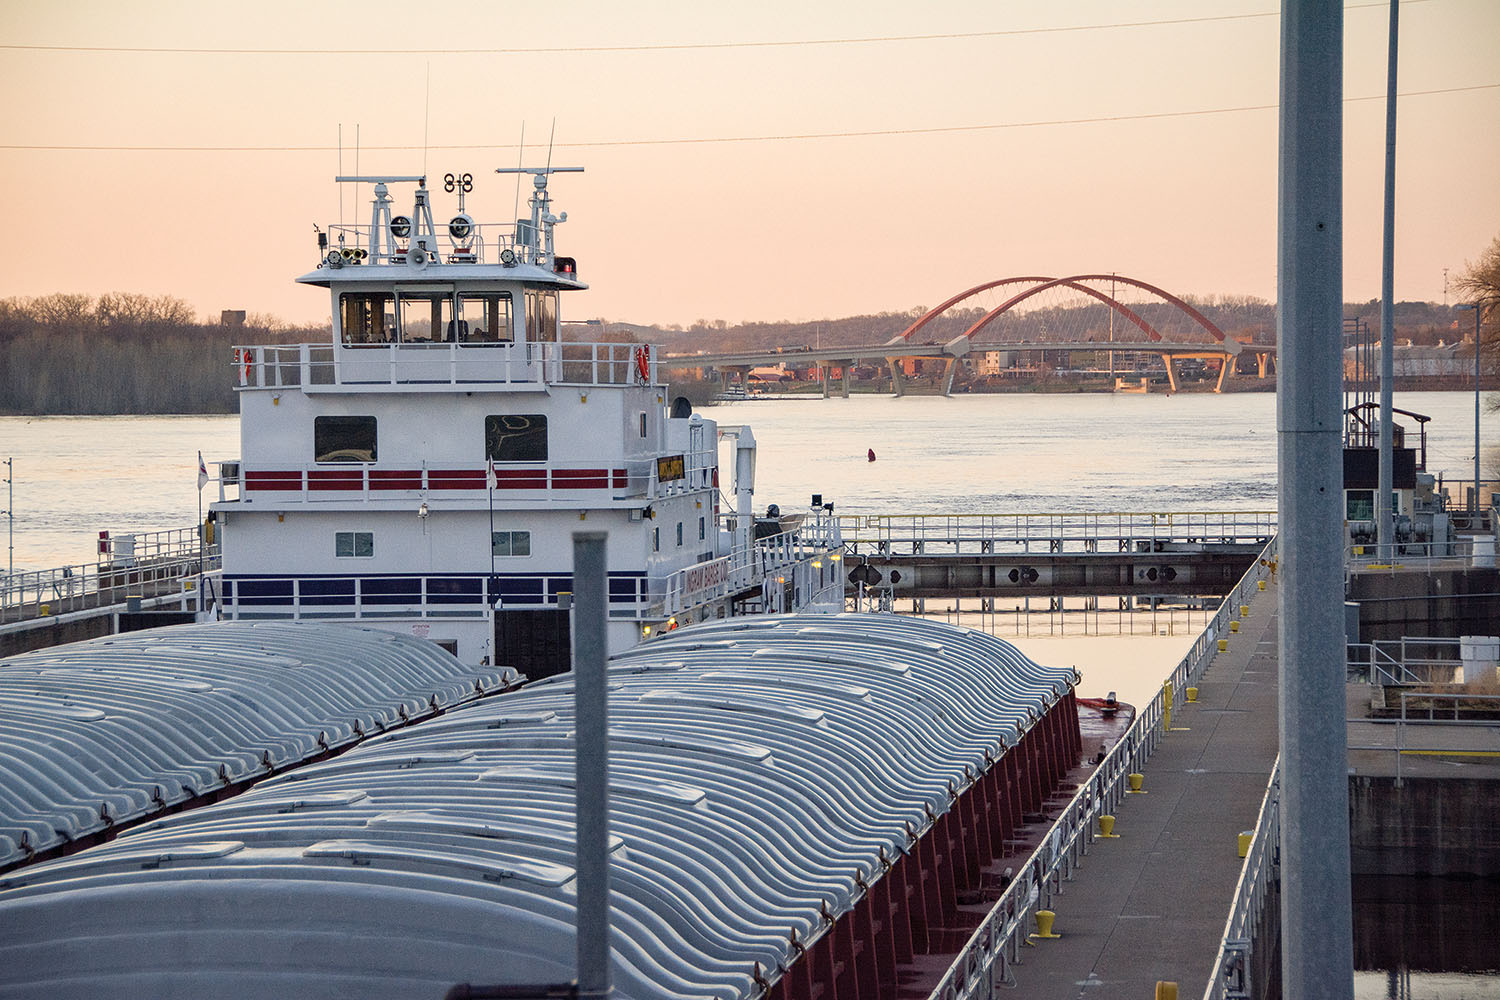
x=1234, y=626
x=1224, y=644
x=1192, y=695
x=1246, y=837
x=1044, y=920
x=1107, y=827
x=1260, y=585
x=1136, y=780
x=1166, y=990
x=1244, y=611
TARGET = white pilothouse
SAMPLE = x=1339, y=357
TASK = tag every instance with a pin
x=425, y=470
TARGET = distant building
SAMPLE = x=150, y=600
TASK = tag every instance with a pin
x=232, y=319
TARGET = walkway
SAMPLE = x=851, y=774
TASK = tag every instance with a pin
x=1151, y=905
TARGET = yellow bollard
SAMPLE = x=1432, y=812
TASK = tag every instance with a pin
x=1135, y=780
x=1166, y=990
x=1224, y=644
x=1107, y=827
x=1244, y=611
x=1192, y=695
x=44, y=610
x=1260, y=585
x=1044, y=920
x=1246, y=836
x=1234, y=626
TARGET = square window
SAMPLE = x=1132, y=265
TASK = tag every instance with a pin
x=344, y=439
x=510, y=543
x=516, y=437
x=354, y=544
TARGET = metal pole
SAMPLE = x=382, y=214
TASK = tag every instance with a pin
x=1476, y=408
x=1385, y=526
x=1316, y=926
x=10, y=514
x=590, y=649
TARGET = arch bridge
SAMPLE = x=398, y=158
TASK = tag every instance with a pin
x=1022, y=315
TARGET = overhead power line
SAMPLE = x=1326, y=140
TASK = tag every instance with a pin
x=708, y=140
x=661, y=47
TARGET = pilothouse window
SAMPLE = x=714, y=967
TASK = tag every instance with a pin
x=427, y=318
x=343, y=439
x=367, y=319
x=485, y=317
x=516, y=437
x=541, y=316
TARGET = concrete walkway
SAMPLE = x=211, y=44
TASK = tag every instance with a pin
x=1151, y=906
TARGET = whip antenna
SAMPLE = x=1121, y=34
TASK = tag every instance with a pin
x=520, y=159
x=426, y=112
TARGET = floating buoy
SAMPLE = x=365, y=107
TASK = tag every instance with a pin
x=872, y=454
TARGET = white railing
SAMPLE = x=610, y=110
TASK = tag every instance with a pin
x=1434, y=729
x=1408, y=660
x=806, y=557
x=1459, y=553
x=995, y=946
x=132, y=565
x=1231, y=978
x=1053, y=532
x=288, y=366
x=483, y=246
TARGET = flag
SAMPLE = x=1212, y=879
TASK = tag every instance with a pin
x=202, y=472
x=489, y=474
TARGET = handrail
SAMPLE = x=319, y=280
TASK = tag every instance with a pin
x=995, y=945
x=1230, y=979
x=134, y=564
x=1130, y=531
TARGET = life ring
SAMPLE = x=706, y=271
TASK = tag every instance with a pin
x=643, y=363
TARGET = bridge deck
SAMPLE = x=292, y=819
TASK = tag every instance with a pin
x=1151, y=905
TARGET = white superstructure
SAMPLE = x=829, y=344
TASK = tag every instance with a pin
x=425, y=470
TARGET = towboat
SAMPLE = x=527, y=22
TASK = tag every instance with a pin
x=423, y=471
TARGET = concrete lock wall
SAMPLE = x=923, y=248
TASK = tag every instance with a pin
x=1427, y=826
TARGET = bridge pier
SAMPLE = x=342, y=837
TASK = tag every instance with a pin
x=950, y=371
x=898, y=384
x=1171, y=373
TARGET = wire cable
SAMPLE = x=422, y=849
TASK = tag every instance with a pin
x=708, y=140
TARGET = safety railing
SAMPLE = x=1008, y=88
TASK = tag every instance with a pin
x=144, y=565
x=1408, y=660
x=1462, y=552
x=806, y=560
x=995, y=947
x=1231, y=977
x=1053, y=532
x=1452, y=736
x=365, y=367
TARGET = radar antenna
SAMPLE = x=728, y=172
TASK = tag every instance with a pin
x=535, y=235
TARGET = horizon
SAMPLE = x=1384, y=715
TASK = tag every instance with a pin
x=799, y=165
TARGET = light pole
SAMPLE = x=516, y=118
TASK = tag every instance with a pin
x=1478, y=311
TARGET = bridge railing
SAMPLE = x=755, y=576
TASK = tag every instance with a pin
x=889, y=534
x=134, y=565
x=987, y=959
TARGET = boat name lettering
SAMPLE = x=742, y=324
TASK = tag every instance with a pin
x=706, y=576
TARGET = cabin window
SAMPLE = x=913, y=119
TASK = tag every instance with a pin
x=510, y=543
x=354, y=544
x=679, y=533
x=655, y=539
x=516, y=437
x=427, y=318
x=541, y=316
x=1359, y=505
x=367, y=319
x=702, y=529
x=643, y=423
x=343, y=439
x=484, y=318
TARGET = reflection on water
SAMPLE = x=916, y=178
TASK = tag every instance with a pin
x=1426, y=938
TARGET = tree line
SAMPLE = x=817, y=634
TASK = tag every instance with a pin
x=123, y=353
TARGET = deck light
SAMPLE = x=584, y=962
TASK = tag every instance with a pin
x=508, y=257
x=423, y=511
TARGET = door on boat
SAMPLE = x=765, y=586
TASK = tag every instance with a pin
x=537, y=643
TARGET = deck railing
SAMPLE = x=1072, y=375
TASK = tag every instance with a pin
x=1408, y=660
x=369, y=366
x=987, y=959
x=1052, y=532
x=132, y=565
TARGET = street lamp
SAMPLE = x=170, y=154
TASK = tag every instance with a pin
x=1477, y=313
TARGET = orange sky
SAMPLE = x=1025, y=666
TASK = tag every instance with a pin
x=770, y=229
